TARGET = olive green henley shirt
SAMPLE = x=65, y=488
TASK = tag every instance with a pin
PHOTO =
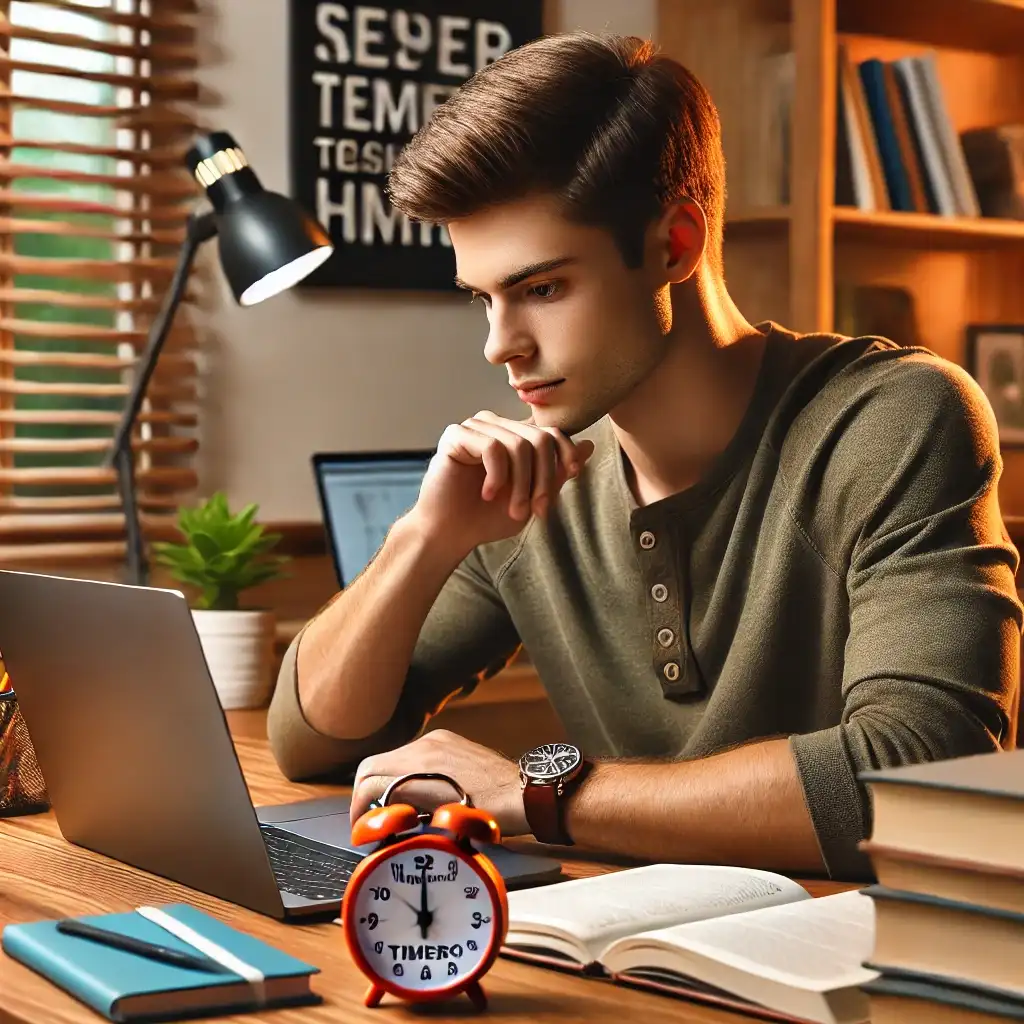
x=841, y=577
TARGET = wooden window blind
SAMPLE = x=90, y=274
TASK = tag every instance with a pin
x=97, y=109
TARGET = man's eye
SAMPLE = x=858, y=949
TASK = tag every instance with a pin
x=479, y=295
x=546, y=290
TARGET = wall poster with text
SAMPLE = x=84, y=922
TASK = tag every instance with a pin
x=363, y=78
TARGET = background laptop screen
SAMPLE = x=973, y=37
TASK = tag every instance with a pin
x=361, y=496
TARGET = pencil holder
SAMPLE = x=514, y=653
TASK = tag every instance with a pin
x=22, y=788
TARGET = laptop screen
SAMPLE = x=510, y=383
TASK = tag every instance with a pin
x=361, y=496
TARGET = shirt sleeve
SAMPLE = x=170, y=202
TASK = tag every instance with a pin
x=468, y=636
x=909, y=487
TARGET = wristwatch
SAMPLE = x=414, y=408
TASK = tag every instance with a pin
x=549, y=773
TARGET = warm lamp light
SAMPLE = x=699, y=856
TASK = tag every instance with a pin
x=268, y=243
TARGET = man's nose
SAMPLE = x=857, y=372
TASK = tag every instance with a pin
x=506, y=340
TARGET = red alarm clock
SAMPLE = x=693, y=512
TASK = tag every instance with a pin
x=425, y=914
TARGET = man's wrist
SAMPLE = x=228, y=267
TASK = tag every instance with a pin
x=575, y=804
x=445, y=548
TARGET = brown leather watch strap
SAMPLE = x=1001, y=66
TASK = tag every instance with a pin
x=544, y=814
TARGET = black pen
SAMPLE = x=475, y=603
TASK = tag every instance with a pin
x=130, y=944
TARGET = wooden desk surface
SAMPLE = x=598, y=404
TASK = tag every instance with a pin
x=43, y=876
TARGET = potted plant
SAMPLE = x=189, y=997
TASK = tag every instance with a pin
x=221, y=555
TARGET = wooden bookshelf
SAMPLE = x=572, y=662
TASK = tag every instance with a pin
x=784, y=257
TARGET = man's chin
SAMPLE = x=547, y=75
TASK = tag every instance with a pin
x=568, y=421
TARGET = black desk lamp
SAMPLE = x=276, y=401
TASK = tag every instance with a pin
x=267, y=244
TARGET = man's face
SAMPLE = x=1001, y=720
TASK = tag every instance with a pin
x=575, y=328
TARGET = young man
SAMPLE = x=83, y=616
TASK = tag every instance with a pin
x=746, y=564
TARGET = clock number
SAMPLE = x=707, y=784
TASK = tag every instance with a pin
x=479, y=920
x=425, y=973
x=424, y=861
x=378, y=948
x=471, y=945
x=472, y=891
x=380, y=892
x=373, y=920
x=453, y=869
x=398, y=970
x=453, y=968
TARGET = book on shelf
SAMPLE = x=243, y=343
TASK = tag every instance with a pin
x=748, y=940
x=124, y=986
x=883, y=117
x=896, y=145
x=860, y=180
x=995, y=159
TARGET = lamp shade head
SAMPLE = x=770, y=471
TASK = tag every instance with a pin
x=268, y=243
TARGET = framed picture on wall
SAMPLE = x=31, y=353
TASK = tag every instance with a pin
x=995, y=358
x=363, y=78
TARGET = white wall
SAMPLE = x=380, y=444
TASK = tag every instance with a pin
x=342, y=369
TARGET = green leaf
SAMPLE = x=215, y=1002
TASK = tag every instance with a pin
x=205, y=544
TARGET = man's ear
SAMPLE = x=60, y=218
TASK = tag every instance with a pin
x=681, y=235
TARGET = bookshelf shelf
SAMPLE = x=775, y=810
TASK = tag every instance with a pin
x=915, y=230
x=926, y=230
x=987, y=26
x=767, y=220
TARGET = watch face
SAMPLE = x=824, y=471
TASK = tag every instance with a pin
x=425, y=919
x=550, y=761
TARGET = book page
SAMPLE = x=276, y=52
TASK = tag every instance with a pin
x=816, y=944
x=589, y=913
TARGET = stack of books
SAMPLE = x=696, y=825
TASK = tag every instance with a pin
x=947, y=846
x=896, y=147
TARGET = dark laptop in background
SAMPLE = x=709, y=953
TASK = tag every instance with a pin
x=361, y=495
x=138, y=760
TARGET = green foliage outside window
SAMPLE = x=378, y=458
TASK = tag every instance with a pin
x=51, y=126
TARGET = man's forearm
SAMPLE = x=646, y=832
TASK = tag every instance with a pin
x=745, y=806
x=353, y=658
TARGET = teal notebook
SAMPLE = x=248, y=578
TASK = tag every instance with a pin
x=125, y=987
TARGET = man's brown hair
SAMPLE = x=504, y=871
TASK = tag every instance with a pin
x=611, y=127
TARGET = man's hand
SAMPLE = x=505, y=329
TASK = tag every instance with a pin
x=490, y=779
x=489, y=474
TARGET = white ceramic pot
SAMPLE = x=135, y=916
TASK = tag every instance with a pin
x=239, y=650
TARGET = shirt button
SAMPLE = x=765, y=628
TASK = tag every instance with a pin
x=671, y=671
x=659, y=592
x=666, y=637
x=647, y=540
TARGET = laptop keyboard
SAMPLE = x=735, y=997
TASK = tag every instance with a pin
x=307, y=870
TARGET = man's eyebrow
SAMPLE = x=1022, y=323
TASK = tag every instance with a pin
x=511, y=280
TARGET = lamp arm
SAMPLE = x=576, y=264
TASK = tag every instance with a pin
x=200, y=228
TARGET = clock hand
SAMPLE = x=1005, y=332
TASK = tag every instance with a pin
x=411, y=907
x=425, y=917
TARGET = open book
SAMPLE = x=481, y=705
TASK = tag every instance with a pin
x=750, y=940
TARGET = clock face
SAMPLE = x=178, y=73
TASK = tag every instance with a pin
x=550, y=761
x=425, y=919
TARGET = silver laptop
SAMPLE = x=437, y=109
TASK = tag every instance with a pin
x=361, y=495
x=138, y=760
